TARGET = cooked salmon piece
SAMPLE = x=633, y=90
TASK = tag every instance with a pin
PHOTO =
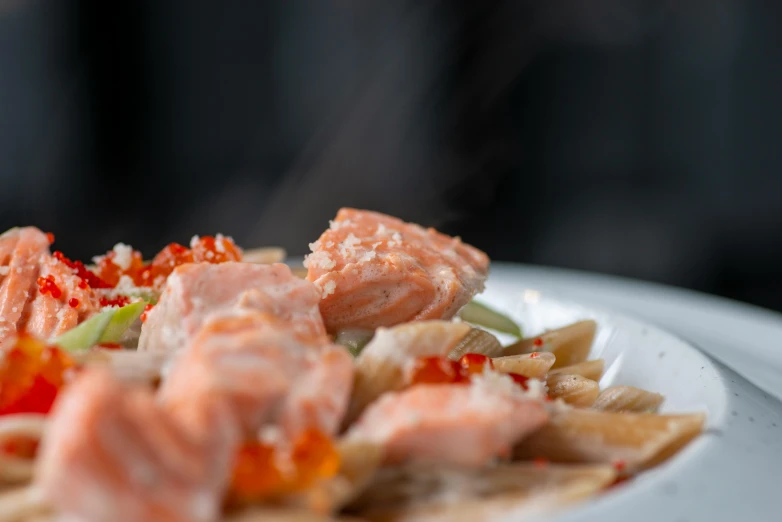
x=321, y=395
x=112, y=454
x=194, y=292
x=376, y=270
x=451, y=423
x=27, y=306
x=269, y=373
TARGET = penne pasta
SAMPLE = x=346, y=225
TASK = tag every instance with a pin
x=628, y=399
x=533, y=365
x=22, y=504
x=13, y=469
x=476, y=341
x=575, y=390
x=281, y=514
x=634, y=441
x=299, y=271
x=264, y=255
x=570, y=344
x=592, y=369
x=461, y=494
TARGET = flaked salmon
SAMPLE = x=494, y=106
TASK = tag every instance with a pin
x=376, y=270
x=451, y=423
x=39, y=294
x=194, y=292
x=112, y=454
x=269, y=373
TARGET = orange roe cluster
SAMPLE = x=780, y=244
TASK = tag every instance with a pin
x=205, y=249
x=258, y=475
x=88, y=278
x=31, y=375
x=119, y=301
x=48, y=285
x=441, y=370
x=147, y=308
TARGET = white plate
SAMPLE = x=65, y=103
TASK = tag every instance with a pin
x=730, y=473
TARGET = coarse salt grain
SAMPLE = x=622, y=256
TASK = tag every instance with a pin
x=329, y=288
x=123, y=256
x=194, y=241
x=220, y=243
x=4, y=270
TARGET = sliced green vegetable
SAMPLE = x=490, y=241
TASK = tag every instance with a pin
x=87, y=334
x=122, y=319
x=354, y=340
x=481, y=315
x=106, y=327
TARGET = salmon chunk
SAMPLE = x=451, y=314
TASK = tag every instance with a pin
x=450, y=423
x=269, y=373
x=194, y=292
x=25, y=305
x=376, y=270
x=112, y=454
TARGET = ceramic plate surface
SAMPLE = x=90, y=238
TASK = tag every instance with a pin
x=731, y=472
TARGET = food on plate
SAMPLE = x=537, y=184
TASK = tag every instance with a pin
x=215, y=383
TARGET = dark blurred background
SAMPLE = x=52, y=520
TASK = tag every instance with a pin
x=629, y=137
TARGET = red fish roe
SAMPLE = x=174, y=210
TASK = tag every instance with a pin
x=257, y=475
x=48, y=285
x=541, y=462
x=31, y=375
x=534, y=355
x=433, y=370
x=81, y=271
x=73, y=302
x=473, y=363
x=21, y=447
x=120, y=301
x=147, y=308
x=441, y=370
x=519, y=379
x=110, y=346
x=538, y=341
x=50, y=237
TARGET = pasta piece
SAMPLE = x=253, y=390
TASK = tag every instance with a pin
x=628, y=399
x=460, y=494
x=592, y=369
x=382, y=364
x=30, y=425
x=264, y=256
x=635, y=441
x=533, y=365
x=358, y=463
x=277, y=514
x=22, y=504
x=300, y=272
x=570, y=344
x=573, y=389
x=476, y=341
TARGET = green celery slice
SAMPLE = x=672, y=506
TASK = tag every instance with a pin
x=87, y=334
x=481, y=315
x=122, y=319
x=105, y=327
